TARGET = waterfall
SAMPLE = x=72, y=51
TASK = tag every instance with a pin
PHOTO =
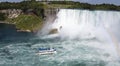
x=85, y=24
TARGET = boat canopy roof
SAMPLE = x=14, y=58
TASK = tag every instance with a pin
x=44, y=48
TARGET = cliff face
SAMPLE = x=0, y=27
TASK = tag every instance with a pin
x=49, y=17
x=12, y=13
x=50, y=14
x=21, y=19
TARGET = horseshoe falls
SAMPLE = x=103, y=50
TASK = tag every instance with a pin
x=84, y=38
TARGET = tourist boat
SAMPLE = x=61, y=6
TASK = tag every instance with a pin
x=46, y=51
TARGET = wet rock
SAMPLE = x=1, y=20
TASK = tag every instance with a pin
x=53, y=31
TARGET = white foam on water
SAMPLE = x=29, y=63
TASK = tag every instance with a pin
x=84, y=24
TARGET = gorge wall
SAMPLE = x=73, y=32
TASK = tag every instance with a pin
x=12, y=13
x=44, y=15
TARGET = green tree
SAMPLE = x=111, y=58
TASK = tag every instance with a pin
x=2, y=17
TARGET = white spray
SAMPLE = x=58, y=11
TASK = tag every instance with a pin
x=84, y=24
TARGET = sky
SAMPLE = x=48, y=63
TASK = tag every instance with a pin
x=116, y=2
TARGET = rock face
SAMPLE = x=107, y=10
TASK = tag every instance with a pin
x=12, y=13
x=53, y=31
x=50, y=14
x=49, y=17
x=50, y=11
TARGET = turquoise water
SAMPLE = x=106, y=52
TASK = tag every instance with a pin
x=21, y=51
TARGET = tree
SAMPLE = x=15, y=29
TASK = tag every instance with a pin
x=2, y=17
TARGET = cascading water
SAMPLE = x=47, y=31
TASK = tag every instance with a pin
x=84, y=23
x=89, y=25
x=84, y=38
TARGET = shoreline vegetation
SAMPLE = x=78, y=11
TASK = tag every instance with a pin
x=29, y=15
